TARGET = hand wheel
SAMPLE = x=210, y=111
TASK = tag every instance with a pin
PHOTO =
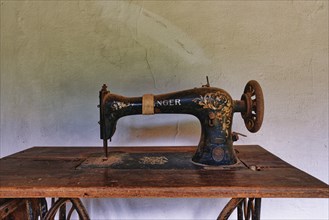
x=254, y=100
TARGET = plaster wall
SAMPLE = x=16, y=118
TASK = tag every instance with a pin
x=55, y=55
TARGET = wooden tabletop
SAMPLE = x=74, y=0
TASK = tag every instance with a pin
x=167, y=172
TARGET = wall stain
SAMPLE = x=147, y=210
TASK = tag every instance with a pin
x=183, y=46
x=156, y=20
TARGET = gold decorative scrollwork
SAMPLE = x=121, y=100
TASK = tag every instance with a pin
x=221, y=103
x=119, y=105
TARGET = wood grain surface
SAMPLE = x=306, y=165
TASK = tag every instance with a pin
x=57, y=172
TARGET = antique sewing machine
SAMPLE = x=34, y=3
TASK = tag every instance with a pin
x=214, y=108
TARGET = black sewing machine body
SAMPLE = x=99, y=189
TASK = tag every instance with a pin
x=213, y=107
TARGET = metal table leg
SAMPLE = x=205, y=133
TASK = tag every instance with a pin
x=61, y=202
x=247, y=208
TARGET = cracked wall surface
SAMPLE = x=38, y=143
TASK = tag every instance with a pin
x=55, y=56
